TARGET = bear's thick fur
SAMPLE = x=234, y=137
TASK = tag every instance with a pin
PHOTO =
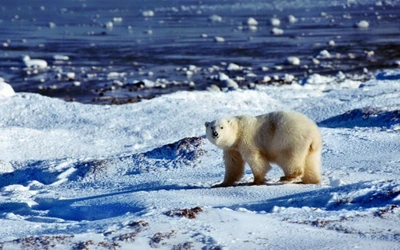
x=287, y=138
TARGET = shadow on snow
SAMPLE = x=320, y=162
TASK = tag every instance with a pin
x=349, y=197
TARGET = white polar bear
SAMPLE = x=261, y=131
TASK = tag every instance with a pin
x=287, y=138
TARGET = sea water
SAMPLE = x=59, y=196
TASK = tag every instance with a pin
x=106, y=52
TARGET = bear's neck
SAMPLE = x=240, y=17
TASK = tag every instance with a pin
x=237, y=137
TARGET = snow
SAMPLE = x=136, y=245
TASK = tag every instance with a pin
x=5, y=89
x=75, y=175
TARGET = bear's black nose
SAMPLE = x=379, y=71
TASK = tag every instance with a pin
x=215, y=134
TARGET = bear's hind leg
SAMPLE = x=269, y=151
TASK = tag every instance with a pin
x=292, y=164
x=234, y=168
x=312, y=169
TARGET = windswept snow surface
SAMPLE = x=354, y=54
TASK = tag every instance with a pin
x=138, y=176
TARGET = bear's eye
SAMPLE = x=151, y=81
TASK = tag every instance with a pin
x=222, y=127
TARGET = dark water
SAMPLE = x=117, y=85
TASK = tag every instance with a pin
x=163, y=47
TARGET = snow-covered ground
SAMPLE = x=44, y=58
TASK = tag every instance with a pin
x=138, y=176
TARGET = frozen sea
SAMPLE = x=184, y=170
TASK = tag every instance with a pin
x=117, y=52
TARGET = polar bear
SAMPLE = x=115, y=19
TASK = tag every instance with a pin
x=287, y=138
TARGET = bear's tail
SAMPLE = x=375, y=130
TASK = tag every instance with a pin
x=312, y=169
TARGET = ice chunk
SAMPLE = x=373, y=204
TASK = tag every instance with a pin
x=363, y=24
x=27, y=62
x=252, y=22
x=292, y=60
x=148, y=13
x=275, y=21
x=324, y=54
x=219, y=39
x=277, y=31
x=292, y=19
x=233, y=67
x=215, y=18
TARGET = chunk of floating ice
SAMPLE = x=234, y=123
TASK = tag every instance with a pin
x=252, y=22
x=253, y=28
x=369, y=53
x=6, y=90
x=193, y=68
x=266, y=79
x=219, y=39
x=288, y=78
x=52, y=25
x=189, y=73
x=215, y=18
x=362, y=24
x=148, y=13
x=275, y=21
x=331, y=43
x=251, y=75
x=229, y=83
x=117, y=19
x=324, y=54
x=69, y=75
x=213, y=88
x=233, y=67
x=115, y=75
x=292, y=19
x=60, y=58
x=315, y=61
x=27, y=62
x=222, y=77
x=277, y=31
x=204, y=35
x=109, y=25
x=118, y=83
x=292, y=60
x=148, y=83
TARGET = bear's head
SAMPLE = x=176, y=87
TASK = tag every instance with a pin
x=222, y=132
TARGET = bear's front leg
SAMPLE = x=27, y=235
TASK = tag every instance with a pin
x=234, y=168
x=259, y=166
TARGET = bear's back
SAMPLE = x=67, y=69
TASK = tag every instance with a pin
x=281, y=129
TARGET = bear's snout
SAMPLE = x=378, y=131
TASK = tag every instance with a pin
x=215, y=134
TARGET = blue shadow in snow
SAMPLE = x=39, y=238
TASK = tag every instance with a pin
x=101, y=206
x=366, y=117
x=33, y=171
x=324, y=198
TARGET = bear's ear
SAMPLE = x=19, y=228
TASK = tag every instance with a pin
x=206, y=124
